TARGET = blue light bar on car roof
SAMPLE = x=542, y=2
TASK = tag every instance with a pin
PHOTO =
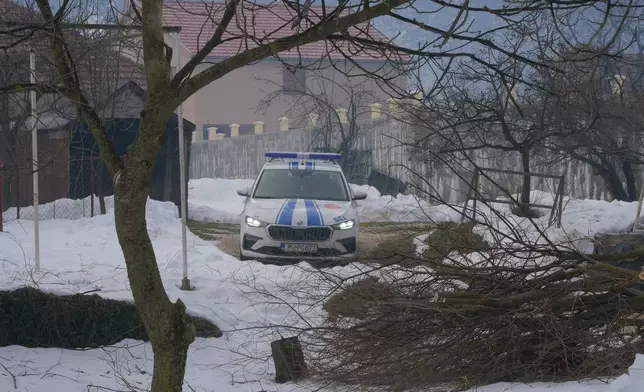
x=327, y=156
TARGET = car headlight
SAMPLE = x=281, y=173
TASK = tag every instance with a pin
x=254, y=222
x=346, y=225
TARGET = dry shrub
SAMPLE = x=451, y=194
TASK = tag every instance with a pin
x=353, y=300
x=394, y=238
x=443, y=239
x=565, y=323
x=32, y=318
x=451, y=237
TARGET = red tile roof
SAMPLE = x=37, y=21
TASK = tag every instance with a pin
x=199, y=20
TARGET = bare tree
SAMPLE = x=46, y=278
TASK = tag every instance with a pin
x=99, y=75
x=346, y=28
x=598, y=109
x=480, y=113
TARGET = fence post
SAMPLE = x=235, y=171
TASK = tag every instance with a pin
x=284, y=124
x=376, y=110
x=342, y=115
x=259, y=127
x=1, y=194
x=212, y=131
x=234, y=130
x=393, y=105
x=313, y=119
x=17, y=201
x=197, y=136
x=91, y=186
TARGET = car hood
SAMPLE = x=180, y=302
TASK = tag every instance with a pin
x=300, y=212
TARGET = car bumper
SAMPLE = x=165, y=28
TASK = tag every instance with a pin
x=257, y=244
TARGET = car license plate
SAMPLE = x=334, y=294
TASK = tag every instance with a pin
x=300, y=248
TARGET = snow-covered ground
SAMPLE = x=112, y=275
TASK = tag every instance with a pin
x=216, y=200
x=83, y=255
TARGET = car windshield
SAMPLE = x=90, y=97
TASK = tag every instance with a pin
x=301, y=184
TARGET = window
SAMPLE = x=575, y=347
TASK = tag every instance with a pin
x=301, y=184
x=293, y=79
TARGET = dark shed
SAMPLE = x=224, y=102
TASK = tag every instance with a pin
x=72, y=166
x=84, y=159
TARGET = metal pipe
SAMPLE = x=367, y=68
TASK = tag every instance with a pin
x=34, y=153
x=185, y=283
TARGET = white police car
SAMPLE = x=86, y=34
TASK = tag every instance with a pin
x=300, y=208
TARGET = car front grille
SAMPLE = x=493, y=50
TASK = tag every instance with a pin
x=288, y=233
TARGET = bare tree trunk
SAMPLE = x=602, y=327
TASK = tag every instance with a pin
x=171, y=331
x=525, y=188
x=608, y=171
x=100, y=186
x=602, y=167
x=631, y=186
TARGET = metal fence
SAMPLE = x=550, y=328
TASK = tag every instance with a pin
x=83, y=190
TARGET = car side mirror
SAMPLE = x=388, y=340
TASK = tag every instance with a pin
x=358, y=195
x=245, y=191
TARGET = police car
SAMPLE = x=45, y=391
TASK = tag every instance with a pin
x=300, y=208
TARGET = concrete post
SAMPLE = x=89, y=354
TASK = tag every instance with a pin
x=198, y=136
x=234, y=130
x=376, y=111
x=393, y=105
x=313, y=119
x=284, y=124
x=342, y=115
x=212, y=132
x=259, y=127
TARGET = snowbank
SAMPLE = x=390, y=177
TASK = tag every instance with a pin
x=216, y=200
x=83, y=255
x=60, y=209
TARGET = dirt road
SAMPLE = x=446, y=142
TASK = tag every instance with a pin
x=376, y=238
